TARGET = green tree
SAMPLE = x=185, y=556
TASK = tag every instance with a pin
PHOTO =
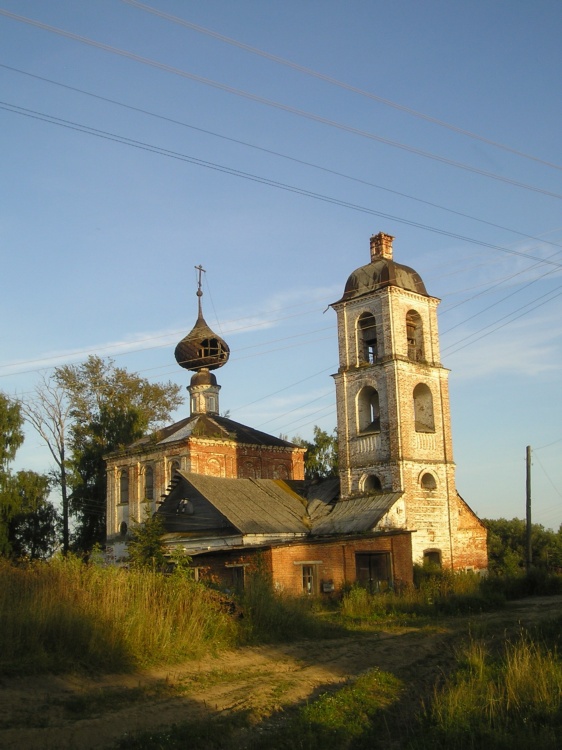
x=33, y=529
x=507, y=546
x=321, y=457
x=146, y=548
x=11, y=437
x=28, y=521
x=110, y=408
x=48, y=411
x=11, y=431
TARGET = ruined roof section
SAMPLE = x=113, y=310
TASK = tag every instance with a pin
x=382, y=272
x=379, y=274
x=356, y=515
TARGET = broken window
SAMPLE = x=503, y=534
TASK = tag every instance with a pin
x=373, y=570
x=174, y=466
x=432, y=558
x=235, y=577
x=414, y=336
x=309, y=579
x=423, y=409
x=368, y=413
x=367, y=338
x=212, y=348
x=124, y=486
x=149, y=483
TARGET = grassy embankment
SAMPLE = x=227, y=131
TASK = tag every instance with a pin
x=66, y=616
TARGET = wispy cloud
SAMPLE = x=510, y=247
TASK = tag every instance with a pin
x=271, y=313
x=527, y=347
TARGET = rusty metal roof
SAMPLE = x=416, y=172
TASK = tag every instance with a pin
x=381, y=273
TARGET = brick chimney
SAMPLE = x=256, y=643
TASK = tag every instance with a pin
x=381, y=246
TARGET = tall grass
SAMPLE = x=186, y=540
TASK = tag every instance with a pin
x=512, y=701
x=67, y=615
x=436, y=592
x=270, y=616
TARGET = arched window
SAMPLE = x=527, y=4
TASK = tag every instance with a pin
x=367, y=338
x=423, y=409
x=368, y=414
x=372, y=483
x=149, y=483
x=123, y=528
x=414, y=335
x=174, y=466
x=124, y=486
x=432, y=558
x=428, y=482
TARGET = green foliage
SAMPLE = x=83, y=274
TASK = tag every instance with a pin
x=146, y=548
x=65, y=615
x=507, y=547
x=345, y=718
x=33, y=529
x=110, y=408
x=321, y=457
x=11, y=432
x=272, y=616
x=510, y=700
x=436, y=593
x=28, y=522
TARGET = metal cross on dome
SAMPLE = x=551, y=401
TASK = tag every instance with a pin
x=201, y=270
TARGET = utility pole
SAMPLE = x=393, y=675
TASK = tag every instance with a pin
x=528, y=515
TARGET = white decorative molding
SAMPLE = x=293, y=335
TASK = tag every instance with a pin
x=368, y=443
x=425, y=440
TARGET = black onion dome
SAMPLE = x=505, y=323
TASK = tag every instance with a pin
x=380, y=273
x=202, y=348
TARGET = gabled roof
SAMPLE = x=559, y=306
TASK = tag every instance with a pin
x=253, y=506
x=356, y=515
x=209, y=427
x=268, y=506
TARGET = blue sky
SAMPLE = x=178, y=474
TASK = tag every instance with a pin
x=138, y=144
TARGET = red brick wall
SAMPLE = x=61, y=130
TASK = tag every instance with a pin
x=334, y=561
x=253, y=462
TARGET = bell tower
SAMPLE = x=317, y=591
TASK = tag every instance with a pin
x=392, y=399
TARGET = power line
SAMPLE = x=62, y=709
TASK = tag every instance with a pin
x=303, y=162
x=497, y=328
x=336, y=82
x=15, y=109
x=277, y=105
x=498, y=302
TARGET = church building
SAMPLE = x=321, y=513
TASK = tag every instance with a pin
x=231, y=496
x=394, y=422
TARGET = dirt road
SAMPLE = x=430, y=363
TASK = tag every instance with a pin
x=48, y=713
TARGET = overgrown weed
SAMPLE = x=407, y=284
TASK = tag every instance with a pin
x=65, y=615
x=508, y=700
